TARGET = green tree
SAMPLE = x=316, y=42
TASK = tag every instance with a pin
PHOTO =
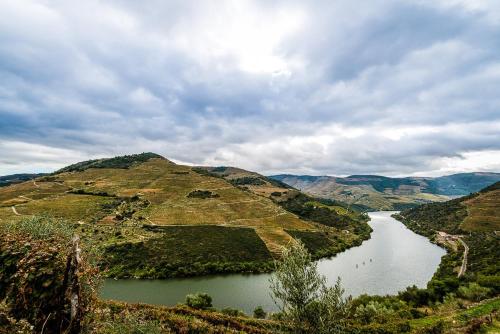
x=306, y=303
x=259, y=313
x=199, y=301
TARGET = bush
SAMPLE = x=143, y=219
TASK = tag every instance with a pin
x=203, y=194
x=40, y=274
x=373, y=312
x=201, y=301
x=231, y=312
x=473, y=292
x=259, y=313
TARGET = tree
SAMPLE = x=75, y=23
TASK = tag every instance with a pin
x=306, y=303
x=199, y=300
x=259, y=313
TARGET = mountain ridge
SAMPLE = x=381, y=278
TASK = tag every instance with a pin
x=377, y=192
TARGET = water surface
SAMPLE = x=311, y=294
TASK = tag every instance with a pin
x=391, y=260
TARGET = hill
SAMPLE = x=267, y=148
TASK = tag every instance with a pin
x=7, y=180
x=153, y=218
x=468, y=226
x=374, y=192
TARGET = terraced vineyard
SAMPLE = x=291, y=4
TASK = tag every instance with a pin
x=120, y=202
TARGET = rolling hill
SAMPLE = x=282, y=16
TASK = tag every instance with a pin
x=154, y=218
x=373, y=192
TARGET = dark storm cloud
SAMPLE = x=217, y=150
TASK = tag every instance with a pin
x=323, y=87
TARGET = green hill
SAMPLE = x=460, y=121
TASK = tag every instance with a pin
x=374, y=192
x=473, y=219
x=139, y=208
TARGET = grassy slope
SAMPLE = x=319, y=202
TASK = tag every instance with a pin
x=117, y=206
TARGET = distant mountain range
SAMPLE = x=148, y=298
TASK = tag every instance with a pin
x=375, y=192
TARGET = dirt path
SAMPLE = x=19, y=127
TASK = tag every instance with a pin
x=452, y=240
x=27, y=198
x=15, y=211
x=36, y=185
x=463, y=268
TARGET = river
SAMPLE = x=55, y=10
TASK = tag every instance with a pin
x=391, y=260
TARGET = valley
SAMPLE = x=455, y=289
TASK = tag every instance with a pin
x=154, y=231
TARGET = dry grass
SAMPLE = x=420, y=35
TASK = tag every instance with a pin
x=483, y=212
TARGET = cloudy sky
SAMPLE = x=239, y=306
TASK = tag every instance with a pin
x=318, y=87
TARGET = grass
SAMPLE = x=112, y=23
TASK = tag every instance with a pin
x=178, y=251
x=115, y=317
x=456, y=318
x=70, y=206
x=483, y=212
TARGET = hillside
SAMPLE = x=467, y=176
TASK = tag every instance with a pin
x=7, y=180
x=373, y=192
x=468, y=226
x=154, y=218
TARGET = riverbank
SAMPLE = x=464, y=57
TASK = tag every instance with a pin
x=201, y=250
x=388, y=262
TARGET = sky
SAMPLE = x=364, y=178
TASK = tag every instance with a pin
x=333, y=87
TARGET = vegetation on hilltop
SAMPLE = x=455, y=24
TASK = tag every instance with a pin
x=192, y=250
x=125, y=161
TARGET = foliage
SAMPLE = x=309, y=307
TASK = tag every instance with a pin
x=473, y=292
x=36, y=276
x=232, y=312
x=203, y=194
x=303, y=206
x=121, y=162
x=319, y=244
x=446, y=216
x=259, y=313
x=373, y=312
x=180, y=251
x=307, y=305
x=201, y=301
x=40, y=228
x=247, y=180
x=110, y=317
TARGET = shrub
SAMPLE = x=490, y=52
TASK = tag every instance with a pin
x=247, y=180
x=203, y=194
x=231, y=312
x=473, y=292
x=199, y=301
x=259, y=313
x=41, y=275
x=373, y=312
